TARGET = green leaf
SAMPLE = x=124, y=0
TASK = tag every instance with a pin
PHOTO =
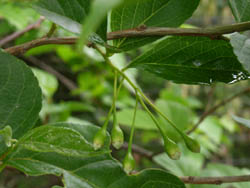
x=70, y=15
x=61, y=140
x=20, y=96
x=152, y=13
x=192, y=60
x=240, y=9
x=67, y=13
x=98, y=12
x=87, y=172
x=242, y=121
x=103, y=28
x=241, y=45
x=148, y=179
x=145, y=179
x=39, y=163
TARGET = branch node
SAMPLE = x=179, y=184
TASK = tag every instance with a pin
x=141, y=27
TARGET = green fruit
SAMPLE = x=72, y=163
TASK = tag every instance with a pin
x=99, y=139
x=192, y=144
x=117, y=137
x=129, y=163
x=172, y=149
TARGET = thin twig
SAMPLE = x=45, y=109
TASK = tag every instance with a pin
x=17, y=34
x=23, y=48
x=213, y=32
x=51, y=31
x=70, y=85
x=215, y=180
x=210, y=97
x=213, y=109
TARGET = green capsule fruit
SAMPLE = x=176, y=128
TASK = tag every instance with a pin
x=192, y=144
x=129, y=163
x=117, y=137
x=99, y=139
x=172, y=149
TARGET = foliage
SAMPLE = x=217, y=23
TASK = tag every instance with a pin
x=50, y=129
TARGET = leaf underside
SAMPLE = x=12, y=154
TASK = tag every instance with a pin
x=192, y=60
x=241, y=45
x=69, y=14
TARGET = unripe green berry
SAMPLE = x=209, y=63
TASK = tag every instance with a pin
x=99, y=139
x=172, y=149
x=192, y=144
x=117, y=137
x=129, y=163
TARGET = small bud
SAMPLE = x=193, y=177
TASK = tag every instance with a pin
x=6, y=133
x=99, y=139
x=117, y=137
x=192, y=144
x=129, y=163
x=172, y=149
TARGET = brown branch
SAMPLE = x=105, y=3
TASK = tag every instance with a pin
x=215, y=180
x=213, y=109
x=23, y=48
x=210, y=97
x=213, y=32
x=51, y=31
x=17, y=34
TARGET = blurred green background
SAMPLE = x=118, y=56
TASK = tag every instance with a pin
x=79, y=89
